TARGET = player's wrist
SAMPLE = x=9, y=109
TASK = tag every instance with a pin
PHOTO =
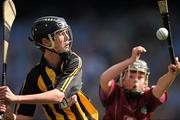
x=17, y=99
x=131, y=59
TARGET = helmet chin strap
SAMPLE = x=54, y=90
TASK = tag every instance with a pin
x=38, y=45
x=51, y=48
x=63, y=54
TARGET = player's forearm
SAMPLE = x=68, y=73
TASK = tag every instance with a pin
x=163, y=84
x=113, y=71
x=53, y=96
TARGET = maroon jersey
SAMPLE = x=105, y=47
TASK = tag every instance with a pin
x=119, y=108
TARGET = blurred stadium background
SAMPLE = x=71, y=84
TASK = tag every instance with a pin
x=104, y=33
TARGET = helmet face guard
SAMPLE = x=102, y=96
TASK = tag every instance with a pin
x=138, y=66
x=47, y=27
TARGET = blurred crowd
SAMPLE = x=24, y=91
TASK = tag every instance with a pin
x=101, y=41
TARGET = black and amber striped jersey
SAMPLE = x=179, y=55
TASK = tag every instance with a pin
x=67, y=77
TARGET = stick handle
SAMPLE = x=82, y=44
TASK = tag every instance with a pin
x=163, y=8
x=166, y=23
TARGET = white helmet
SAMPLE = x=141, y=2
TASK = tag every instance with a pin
x=139, y=66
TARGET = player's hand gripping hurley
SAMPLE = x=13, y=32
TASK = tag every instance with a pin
x=9, y=14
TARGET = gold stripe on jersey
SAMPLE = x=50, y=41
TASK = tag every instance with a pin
x=69, y=113
x=41, y=84
x=68, y=80
x=57, y=115
x=51, y=74
x=88, y=105
x=80, y=111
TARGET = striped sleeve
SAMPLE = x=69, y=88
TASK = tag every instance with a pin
x=71, y=79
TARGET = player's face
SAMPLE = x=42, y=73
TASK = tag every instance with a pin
x=134, y=81
x=62, y=41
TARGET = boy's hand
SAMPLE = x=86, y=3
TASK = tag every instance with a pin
x=175, y=67
x=136, y=52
